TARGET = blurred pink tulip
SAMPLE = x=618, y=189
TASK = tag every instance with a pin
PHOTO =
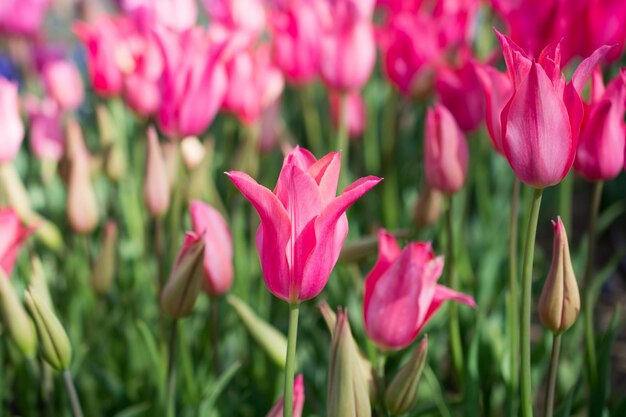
x=600, y=153
x=254, y=83
x=445, y=151
x=174, y=14
x=303, y=223
x=22, y=17
x=218, y=247
x=298, y=400
x=12, y=126
x=12, y=236
x=64, y=83
x=355, y=112
x=194, y=82
x=47, y=140
x=402, y=294
x=243, y=15
x=497, y=89
x=541, y=122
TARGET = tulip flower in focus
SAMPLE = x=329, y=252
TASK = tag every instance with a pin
x=401, y=394
x=298, y=400
x=541, y=122
x=156, y=185
x=218, y=247
x=64, y=83
x=600, y=154
x=402, y=294
x=47, y=140
x=445, y=151
x=12, y=236
x=303, y=222
x=12, y=126
x=355, y=112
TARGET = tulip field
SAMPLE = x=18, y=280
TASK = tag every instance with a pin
x=294, y=208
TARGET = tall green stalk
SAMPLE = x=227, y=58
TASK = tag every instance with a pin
x=527, y=280
x=554, y=367
x=171, y=372
x=456, y=347
x=342, y=139
x=391, y=206
x=513, y=301
x=77, y=410
x=290, y=366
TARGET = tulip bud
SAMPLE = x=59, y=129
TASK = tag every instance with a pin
x=559, y=304
x=13, y=190
x=193, y=152
x=171, y=159
x=271, y=340
x=298, y=401
x=347, y=388
x=401, y=394
x=105, y=126
x=156, y=188
x=428, y=207
x=103, y=270
x=185, y=280
x=82, y=204
x=38, y=280
x=55, y=345
x=15, y=318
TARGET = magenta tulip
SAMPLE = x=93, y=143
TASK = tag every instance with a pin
x=174, y=14
x=303, y=223
x=64, y=83
x=445, y=151
x=402, y=294
x=22, y=17
x=239, y=15
x=12, y=236
x=298, y=400
x=218, y=247
x=47, y=140
x=12, y=126
x=498, y=90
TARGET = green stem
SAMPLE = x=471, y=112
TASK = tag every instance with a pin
x=380, y=382
x=171, y=371
x=342, y=144
x=588, y=299
x=290, y=366
x=513, y=303
x=77, y=410
x=214, y=305
x=456, y=347
x=566, y=188
x=554, y=367
x=312, y=122
x=527, y=280
x=391, y=206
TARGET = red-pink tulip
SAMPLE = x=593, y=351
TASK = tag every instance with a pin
x=22, y=17
x=541, y=122
x=355, y=112
x=298, y=400
x=64, y=83
x=194, y=82
x=12, y=235
x=445, y=151
x=401, y=292
x=303, y=223
x=600, y=154
x=243, y=15
x=218, y=247
x=47, y=140
x=12, y=126
x=498, y=90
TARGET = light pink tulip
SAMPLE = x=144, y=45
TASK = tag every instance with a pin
x=402, y=294
x=243, y=15
x=47, y=140
x=298, y=400
x=12, y=236
x=12, y=126
x=445, y=151
x=600, y=153
x=22, y=17
x=498, y=90
x=64, y=83
x=174, y=14
x=303, y=223
x=218, y=247
x=355, y=108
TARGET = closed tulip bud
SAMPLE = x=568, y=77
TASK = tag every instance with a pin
x=347, y=387
x=298, y=400
x=55, y=345
x=103, y=271
x=171, y=159
x=428, y=207
x=559, y=304
x=185, y=280
x=192, y=152
x=114, y=162
x=13, y=191
x=38, y=280
x=20, y=327
x=271, y=340
x=156, y=186
x=401, y=394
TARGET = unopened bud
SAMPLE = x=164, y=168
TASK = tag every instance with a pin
x=268, y=337
x=347, y=388
x=114, y=162
x=38, y=280
x=428, y=207
x=104, y=267
x=156, y=186
x=401, y=394
x=192, y=152
x=16, y=319
x=559, y=304
x=186, y=279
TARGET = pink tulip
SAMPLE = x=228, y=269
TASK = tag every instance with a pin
x=402, y=294
x=12, y=126
x=254, y=83
x=47, y=140
x=498, y=90
x=296, y=38
x=12, y=235
x=348, y=52
x=600, y=154
x=445, y=151
x=303, y=223
x=194, y=82
x=174, y=14
x=22, y=17
x=64, y=83
x=243, y=15
x=218, y=247
x=355, y=112
x=298, y=400
x=541, y=122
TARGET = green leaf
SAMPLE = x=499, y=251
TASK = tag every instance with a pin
x=153, y=353
x=599, y=392
x=135, y=410
x=213, y=391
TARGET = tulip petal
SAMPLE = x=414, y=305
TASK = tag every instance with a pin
x=517, y=62
x=11, y=239
x=388, y=251
x=586, y=67
x=443, y=294
x=498, y=90
x=326, y=174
